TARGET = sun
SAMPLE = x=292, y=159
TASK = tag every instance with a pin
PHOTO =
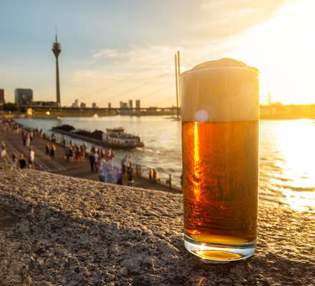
x=283, y=50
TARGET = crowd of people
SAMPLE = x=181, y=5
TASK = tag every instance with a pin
x=15, y=161
x=110, y=170
x=50, y=150
x=27, y=138
x=18, y=159
x=74, y=152
x=101, y=161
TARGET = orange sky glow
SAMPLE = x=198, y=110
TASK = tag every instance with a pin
x=281, y=47
x=134, y=59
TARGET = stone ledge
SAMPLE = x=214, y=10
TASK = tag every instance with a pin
x=70, y=231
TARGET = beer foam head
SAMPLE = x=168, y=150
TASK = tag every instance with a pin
x=222, y=90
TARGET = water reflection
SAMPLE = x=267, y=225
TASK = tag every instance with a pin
x=289, y=147
x=287, y=152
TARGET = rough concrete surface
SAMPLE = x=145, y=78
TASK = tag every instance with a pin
x=57, y=230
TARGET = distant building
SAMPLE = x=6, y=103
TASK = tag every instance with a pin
x=138, y=104
x=94, y=105
x=23, y=97
x=83, y=105
x=123, y=105
x=130, y=104
x=2, y=100
x=109, y=105
x=75, y=104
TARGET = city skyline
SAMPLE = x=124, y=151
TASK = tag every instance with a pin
x=136, y=62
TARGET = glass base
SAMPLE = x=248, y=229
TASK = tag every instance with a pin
x=216, y=253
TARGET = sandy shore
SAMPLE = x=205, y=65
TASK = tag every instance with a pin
x=58, y=230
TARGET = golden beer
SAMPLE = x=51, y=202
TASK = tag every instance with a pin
x=220, y=160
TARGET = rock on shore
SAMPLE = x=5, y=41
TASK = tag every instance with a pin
x=57, y=230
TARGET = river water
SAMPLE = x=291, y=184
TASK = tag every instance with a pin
x=287, y=152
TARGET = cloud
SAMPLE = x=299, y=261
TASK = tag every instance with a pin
x=218, y=19
x=146, y=71
x=108, y=54
x=136, y=72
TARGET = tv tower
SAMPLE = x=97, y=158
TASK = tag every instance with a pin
x=57, y=50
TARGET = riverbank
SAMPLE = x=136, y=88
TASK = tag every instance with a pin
x=66, y=231
x=75, y=168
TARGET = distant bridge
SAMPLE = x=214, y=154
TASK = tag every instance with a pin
x=274, y=111
x=102, y=111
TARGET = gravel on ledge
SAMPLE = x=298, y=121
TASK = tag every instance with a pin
x=57, y=230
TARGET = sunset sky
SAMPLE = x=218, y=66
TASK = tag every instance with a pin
x=118, y=49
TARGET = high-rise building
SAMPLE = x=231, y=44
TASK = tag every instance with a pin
x=123, y=104
x=130, y=104
x=2, y=100
x=138, y=104
x=23, y=97
x=109, y=105
x=94, y=105
x=75, y=104
x=82, y=105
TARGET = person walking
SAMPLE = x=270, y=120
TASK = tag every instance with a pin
x=110, y=154
x=47, y=149
x=14, y=161
x=102, y=170
x=67, y=152
x=130, y=175
x=3, y=152
x=52, y=151
x=28, y=140
x=92, y=159
x=96, y=160
x=31, y=159
x=31, y=136
x=24, y=138
x=124, y=163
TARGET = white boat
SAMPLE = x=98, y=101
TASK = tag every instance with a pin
x=112, y=138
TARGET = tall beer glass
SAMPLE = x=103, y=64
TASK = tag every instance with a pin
x=220, y=112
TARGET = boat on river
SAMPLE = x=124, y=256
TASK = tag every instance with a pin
x=115, y=138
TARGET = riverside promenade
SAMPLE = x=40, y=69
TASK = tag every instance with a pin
x=59, y=230
x=58, y=165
